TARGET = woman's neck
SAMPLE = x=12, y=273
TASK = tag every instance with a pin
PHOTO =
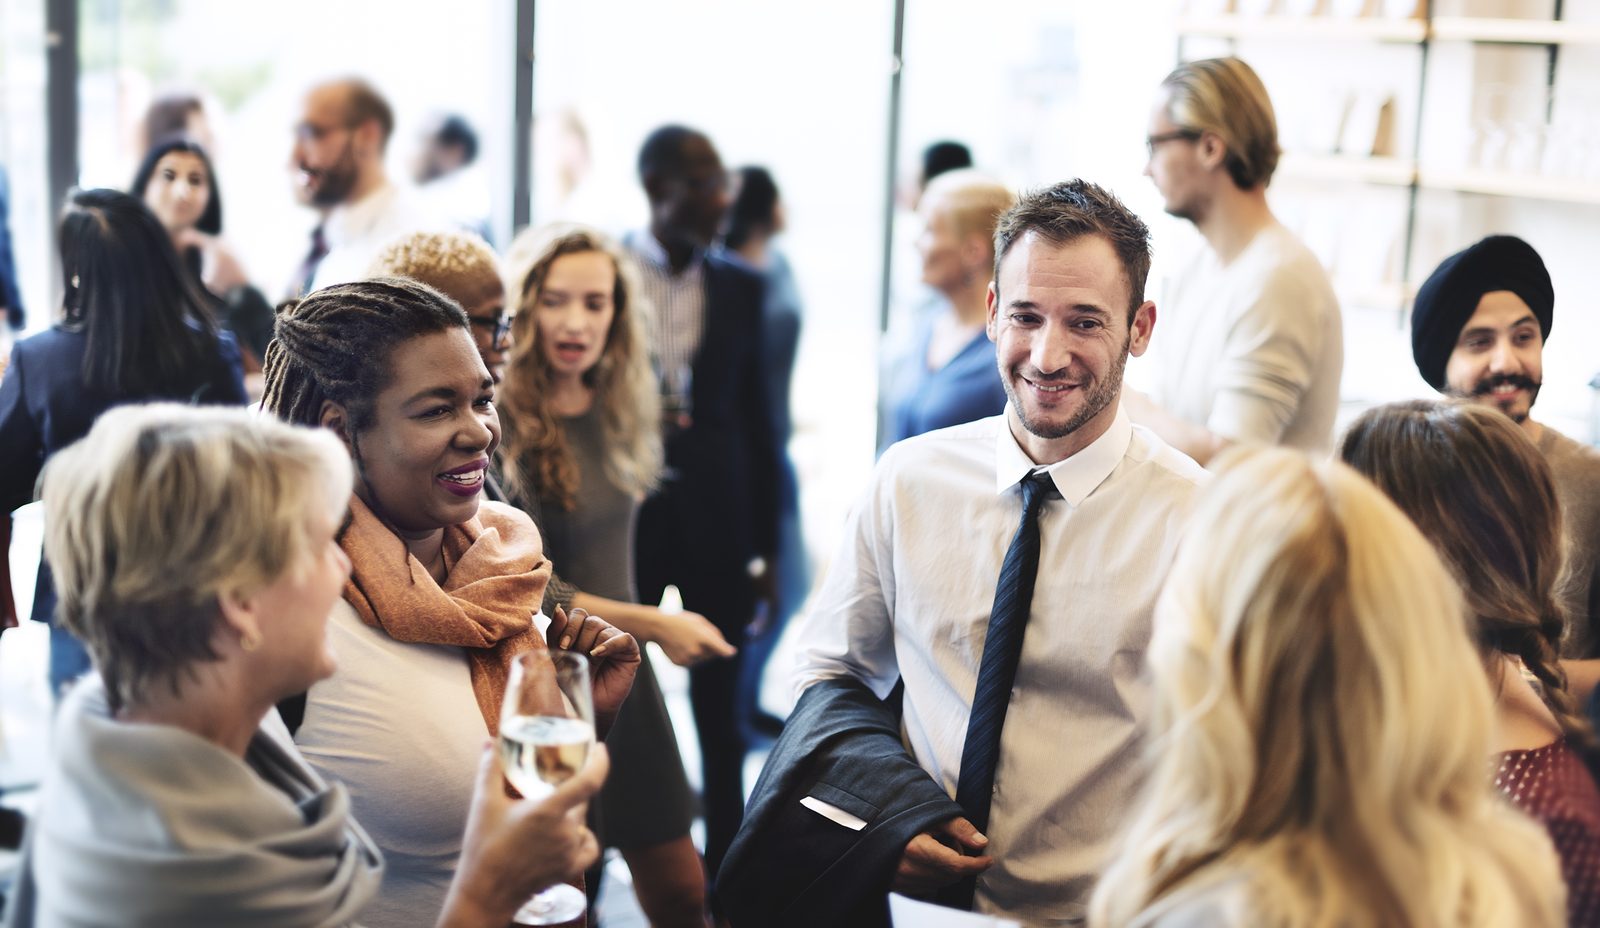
x=427, y=546
x=428, y=549
x=570, y=396
x=1524, y=722
x=213, y=705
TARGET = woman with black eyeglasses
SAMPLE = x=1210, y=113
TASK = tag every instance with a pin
x=133, y=329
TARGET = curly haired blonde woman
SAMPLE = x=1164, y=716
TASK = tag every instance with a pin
x=581, y=448
x=1318, y=756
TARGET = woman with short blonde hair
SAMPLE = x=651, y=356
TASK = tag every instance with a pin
x=1318, y=753
x=945, y=374
x=196, y=553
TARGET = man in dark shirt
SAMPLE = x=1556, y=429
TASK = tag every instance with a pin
x=711, y=528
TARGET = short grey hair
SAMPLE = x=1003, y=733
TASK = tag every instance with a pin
x=162, y=509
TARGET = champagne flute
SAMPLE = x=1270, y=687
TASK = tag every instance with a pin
x=546, y=730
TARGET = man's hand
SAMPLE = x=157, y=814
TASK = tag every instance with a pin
x=613, y=659
x=938, y=857
x=516, y=847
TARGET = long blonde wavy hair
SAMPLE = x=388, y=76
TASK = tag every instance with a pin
x=536, y=458
x=1321, y=726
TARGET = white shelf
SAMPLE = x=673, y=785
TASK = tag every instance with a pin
x=1398, y=172
x=1518, y=31
x=1366, y=28
x=1494, y=183
x=1388, y=296
x=1375, y=29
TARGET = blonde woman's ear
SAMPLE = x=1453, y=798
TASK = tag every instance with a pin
x=240, y=621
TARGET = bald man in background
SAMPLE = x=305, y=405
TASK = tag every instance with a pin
x=337, y=166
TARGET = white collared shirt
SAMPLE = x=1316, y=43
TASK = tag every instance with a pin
x=357, y=232
x=909, y=596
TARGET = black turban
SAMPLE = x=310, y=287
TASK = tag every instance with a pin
x=1451, y=294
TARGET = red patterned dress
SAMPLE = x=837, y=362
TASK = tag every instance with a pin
x=1552, y=785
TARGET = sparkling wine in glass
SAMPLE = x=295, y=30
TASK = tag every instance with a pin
x=546, y=730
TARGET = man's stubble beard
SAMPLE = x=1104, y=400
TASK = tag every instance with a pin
x=1094, y=402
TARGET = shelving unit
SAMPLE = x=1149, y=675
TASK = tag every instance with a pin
x=1408, y=173
x=1512, y=31
x=1234, y=26
x=1397, y=172
x=1502, y=184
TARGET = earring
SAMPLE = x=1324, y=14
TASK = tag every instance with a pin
x=250, y=642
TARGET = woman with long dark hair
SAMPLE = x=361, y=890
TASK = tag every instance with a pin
x=177, y=182
x=1482, y=495
x=132, y=329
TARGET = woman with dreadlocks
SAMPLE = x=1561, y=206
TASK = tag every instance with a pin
x=444, y=587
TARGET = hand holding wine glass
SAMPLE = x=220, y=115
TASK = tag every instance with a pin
x=546, y=736
x=514, y=848
x=613, y=654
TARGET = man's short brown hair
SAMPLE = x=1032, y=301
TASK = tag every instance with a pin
x=1071, y=210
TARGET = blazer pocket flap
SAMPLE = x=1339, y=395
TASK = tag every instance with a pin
x=848, y=803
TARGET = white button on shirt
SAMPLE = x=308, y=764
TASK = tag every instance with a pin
x=909, y=595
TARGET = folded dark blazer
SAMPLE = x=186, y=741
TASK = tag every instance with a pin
x=792, y=866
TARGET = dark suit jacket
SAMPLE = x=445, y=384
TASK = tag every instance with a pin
x=717, y=506
x=791, y=866
x=45, y=406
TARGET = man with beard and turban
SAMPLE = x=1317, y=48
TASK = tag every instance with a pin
x=1478, y=330
x=337, y=164
x=1005, y=571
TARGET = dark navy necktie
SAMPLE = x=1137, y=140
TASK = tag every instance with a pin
x=309, y=265
x=1002, y=651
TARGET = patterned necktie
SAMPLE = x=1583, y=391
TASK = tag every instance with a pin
x=308, y=267
x=1002, y=651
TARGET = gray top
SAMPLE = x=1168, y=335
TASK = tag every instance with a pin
x=646, y=801
x=1576, y=469
x=150, y=826
x=593, y=542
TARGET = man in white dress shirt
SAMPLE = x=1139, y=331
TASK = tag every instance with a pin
x=337, y=161
x=909, y=595
x=1253, y=346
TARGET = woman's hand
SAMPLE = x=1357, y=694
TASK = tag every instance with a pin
x=689, y=638
x=516, y=847
x=220, y=269
x=613, y=659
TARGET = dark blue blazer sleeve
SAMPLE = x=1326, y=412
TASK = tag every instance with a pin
x=21, y=443
x=790, y=866
x=741, y=291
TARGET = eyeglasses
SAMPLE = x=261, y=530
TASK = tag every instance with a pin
x=1152, y=141
x=496, y=327
x=311, y=132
